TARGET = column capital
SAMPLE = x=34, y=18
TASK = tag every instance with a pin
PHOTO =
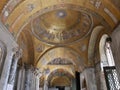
x=46, y=82
x=17, y=52
x=37, y=72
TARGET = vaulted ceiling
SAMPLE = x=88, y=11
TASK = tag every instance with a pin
x=59, y=36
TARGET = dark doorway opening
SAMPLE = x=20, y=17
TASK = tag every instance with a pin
x=61, y=87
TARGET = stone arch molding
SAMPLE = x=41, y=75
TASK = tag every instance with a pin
x=103, y=57
x=25, y=42
x=67, y=71
x=61, y=52
x=93, y=38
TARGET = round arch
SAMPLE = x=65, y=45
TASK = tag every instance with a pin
x=25, y=42
x=61, y=52
x=102, y=43
x=92, y=42
x=58, y=73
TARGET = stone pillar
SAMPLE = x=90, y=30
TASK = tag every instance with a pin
x=45, y=85
x=9, y=43
x=74, y=84
x=21, y=79
x=28, y=78
x=89, y=75
x=32, y=79
x=11, y=79
x=37, y=75
x=6, y=69
x=33, y=82
x=115, y=46
x=100, y=78
x=5, y=72
x=37, y=83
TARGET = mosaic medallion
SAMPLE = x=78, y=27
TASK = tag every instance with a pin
x=62, y=26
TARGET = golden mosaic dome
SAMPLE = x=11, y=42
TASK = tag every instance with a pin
x=62, y=26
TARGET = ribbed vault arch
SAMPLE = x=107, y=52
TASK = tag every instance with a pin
x=60, y=73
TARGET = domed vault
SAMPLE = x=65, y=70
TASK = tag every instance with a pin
x=57, y=35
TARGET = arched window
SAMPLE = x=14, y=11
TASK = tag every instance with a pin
x=108, y=52
x=2, y=56
x=103, y=58
x=108, y=64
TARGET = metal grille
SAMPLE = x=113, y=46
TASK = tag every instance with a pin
x=111, y=77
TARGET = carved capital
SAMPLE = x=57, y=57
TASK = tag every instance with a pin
x=37, y=72
x=17, y=53
x=46, y=82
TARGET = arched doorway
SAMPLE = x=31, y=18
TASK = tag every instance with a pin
x=107, y=64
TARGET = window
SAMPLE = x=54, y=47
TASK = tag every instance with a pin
x=109, y=54
x=105, y=52
x=108, y=64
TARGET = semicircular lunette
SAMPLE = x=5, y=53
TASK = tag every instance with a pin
x=62, y=26
x=61, y=55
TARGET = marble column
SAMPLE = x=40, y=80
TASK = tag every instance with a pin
x=45, y=85
x=37, y=83
x=28, y=79
x=21, y=79
x=37, y=78
x=6, y=69
x=32, y=87
x=89, y=75
x=32, y=79
x=11, y=79
x=100, y=77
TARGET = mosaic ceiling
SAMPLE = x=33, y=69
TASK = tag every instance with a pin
x=59, y=37
x=58, y=28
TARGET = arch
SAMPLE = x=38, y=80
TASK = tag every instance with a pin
x=60, y=81
x=40, y=6
x=103, y=57
x=92, y=42
x=25, y=42
x=2, y=55
x=61, y=52
x=60, y=72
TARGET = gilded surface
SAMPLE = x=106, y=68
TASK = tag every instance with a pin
x=59, y=37
x=62, y=26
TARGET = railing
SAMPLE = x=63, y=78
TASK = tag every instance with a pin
x=111, y=77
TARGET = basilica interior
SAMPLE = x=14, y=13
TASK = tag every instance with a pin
x=59, y=44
